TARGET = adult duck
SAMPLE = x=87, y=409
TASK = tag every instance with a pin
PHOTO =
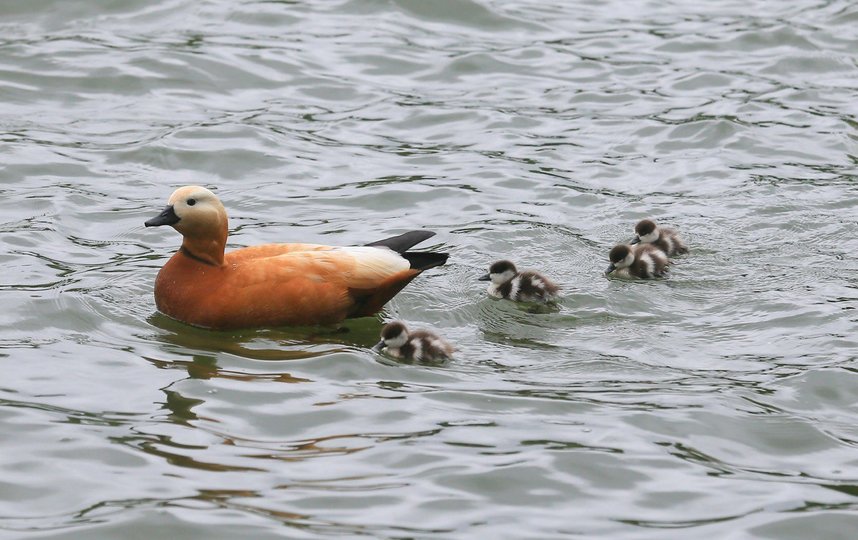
x=274, y=284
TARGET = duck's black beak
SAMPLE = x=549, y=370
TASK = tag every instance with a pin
x=636, y=240
x=378, y=346
x=167, y=217
x=610, y=269
x=486, y=277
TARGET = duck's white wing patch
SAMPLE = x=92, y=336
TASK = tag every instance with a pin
x=649, y=265
x=418, y=350
x=515, y=288
x=372, y=265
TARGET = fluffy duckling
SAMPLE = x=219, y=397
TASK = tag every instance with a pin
x=665, y=239
x=527, y=286
x=640, y=261
x=274, y=284
x=416, y=346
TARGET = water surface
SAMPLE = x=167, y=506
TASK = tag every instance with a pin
x=721, y=402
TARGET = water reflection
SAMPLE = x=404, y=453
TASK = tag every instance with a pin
x=270, y=344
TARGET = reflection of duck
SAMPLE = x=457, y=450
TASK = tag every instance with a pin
x=665, y=239
x=416, y=346
x=641, y=261
x=275, y=284
x=202, y=350
x=526, y=286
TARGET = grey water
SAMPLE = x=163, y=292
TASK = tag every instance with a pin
x=720, y=402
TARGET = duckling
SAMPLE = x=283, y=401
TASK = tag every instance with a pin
x=641, y=261
x=526, y=286
x=416, y=346
x=665, y=239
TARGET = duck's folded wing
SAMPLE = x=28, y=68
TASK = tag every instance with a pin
x=314, y=286
x=348, y=267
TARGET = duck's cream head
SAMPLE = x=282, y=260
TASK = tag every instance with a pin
x=200, y=217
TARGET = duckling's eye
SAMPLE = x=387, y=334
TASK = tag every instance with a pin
x=192, y=202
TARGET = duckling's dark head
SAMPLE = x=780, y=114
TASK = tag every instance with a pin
x=394, y=335
x=646, y=231
x=393, y=329
x=620, y=256
x=500, y=272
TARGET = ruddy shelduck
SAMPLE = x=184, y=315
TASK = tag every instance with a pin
x=274, y=284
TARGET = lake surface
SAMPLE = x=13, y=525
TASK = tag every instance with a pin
x=721, y=402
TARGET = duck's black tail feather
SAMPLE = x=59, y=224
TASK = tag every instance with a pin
x=371, y=301
x=404, y=241
x=423, y=260
x=419, y=260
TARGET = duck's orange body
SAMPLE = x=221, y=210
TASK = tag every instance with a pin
x=274, y=284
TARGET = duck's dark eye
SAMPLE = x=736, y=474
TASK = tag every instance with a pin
x=192, y=202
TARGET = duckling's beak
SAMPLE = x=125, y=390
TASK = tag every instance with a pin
x=636, y=240
x=167, y=217
x=378, y=346
x=610, y=269
x=486, y=277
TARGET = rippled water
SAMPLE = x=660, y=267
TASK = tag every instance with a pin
x=719, y=403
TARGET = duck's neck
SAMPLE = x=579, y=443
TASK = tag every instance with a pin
x=208, y=249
